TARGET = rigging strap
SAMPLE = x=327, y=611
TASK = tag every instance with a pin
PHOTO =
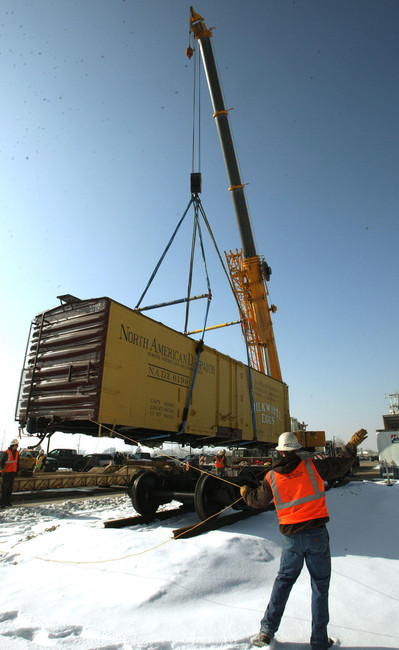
x=199, y=349
x=196, y=201
x=155, y=271
x=251, y=392
x=200, y=346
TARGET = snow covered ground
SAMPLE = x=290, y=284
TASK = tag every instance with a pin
x=68, y=582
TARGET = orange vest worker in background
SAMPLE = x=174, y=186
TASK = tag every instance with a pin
x=220, y=463
x=9, y=465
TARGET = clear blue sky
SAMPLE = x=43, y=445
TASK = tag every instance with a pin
x=95, y=155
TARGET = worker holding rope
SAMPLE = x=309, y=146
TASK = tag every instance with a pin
x=297, y=487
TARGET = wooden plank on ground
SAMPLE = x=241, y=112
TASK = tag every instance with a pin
x=140, y=519
x=214, y=524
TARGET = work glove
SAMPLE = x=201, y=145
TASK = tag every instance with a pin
x=358, y=437
x=243, y=490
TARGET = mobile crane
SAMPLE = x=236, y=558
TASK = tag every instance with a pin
x=248, y=271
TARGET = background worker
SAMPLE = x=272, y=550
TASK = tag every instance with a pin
x=297, y=487
x=9, y=465
x=40, y=462
x=220, y=463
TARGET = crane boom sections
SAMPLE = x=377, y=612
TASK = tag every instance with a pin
x=222, y=123
x=248, y=272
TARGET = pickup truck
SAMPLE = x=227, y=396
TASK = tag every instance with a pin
x=68, y=458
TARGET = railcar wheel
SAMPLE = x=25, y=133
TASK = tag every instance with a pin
x=207, y=496
x=142, y=493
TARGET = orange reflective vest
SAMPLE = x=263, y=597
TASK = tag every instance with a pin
x=11, y=463
x=219, y=461
x=299, y=495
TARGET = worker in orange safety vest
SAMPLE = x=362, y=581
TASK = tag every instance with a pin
x=220, y=463
x=9, y=465
x=296, y=485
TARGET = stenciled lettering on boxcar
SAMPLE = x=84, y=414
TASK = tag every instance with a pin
x=131, y=337
x=183, y=358
x=170, y=376
x=161, y=409
x=269, y=413
x=157, y=349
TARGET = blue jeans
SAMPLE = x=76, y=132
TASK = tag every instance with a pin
x=313, y=547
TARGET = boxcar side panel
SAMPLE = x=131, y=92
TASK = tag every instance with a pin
x=148, y=373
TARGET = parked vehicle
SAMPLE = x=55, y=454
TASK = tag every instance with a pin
x=166, y=459
x=68, y=458
x=98, y=460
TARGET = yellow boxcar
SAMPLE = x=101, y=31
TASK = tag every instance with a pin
x=95, y=365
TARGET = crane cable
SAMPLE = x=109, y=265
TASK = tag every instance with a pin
x=242, y=316
x=155, y=271
x=196, y=229
x=196, y=101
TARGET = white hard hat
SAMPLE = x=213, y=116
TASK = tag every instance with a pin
x=288, y=442
x=14, y=442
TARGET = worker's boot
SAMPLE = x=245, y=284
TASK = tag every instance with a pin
x=330, y=642
x=261, y=640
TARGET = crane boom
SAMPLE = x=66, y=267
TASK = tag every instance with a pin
x=249, y=271
x=222, y=123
